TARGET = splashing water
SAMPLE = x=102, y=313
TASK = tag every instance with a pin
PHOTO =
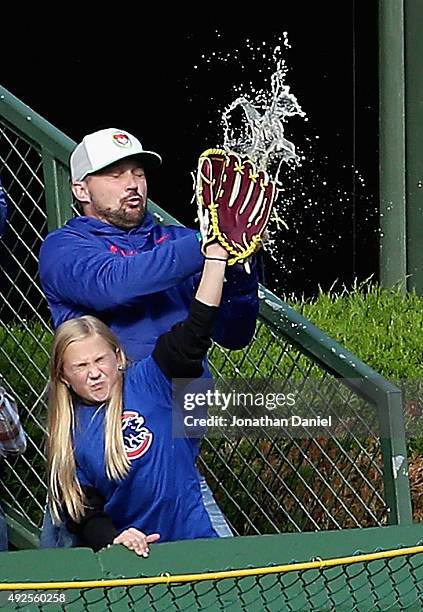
x=255, y=126
x=312, y=214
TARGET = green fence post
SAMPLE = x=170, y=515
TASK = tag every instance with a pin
x=414, y=140
x=57, y=191
x=394, y=453
x=392, y=263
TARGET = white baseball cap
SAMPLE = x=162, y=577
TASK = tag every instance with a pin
x=102, y=148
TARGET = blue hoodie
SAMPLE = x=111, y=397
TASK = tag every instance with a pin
x=139, y=282
x=161, y=492
x=3, y=211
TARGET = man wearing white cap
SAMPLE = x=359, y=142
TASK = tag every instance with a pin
x=137, y=276
x=94, y=166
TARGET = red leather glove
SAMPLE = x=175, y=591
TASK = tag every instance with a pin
x=235, y=202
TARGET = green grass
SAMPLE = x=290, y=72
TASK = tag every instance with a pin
x=24, y=355
x=383, y=327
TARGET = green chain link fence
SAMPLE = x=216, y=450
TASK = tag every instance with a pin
x=265, y=484
x=382, y=584
x=347, y=570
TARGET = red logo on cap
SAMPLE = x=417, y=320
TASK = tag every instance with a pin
x=121, y=139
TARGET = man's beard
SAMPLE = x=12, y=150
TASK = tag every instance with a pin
x=122, y=218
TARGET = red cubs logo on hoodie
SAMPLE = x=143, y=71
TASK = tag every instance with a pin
x=137, y=438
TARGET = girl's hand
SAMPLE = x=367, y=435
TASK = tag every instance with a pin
x=216, y=250
x=136, y=540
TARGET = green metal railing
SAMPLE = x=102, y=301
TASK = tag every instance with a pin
x=265, y=484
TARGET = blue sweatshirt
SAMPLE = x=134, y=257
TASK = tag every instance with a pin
x=161, y=492
x=3, y=211
x=139, y=282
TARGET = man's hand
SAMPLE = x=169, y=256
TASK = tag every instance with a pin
x=136, y=540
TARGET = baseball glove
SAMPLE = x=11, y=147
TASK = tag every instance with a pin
x=234, y=202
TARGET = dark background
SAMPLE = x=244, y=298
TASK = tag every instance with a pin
x=153, y=81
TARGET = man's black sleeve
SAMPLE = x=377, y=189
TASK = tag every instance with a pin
x=180, y=352
x=95, y=529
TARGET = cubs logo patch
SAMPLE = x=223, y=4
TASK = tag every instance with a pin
x=122, y=140
x=137, y=438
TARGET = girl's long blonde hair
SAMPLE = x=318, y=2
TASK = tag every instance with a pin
x=64, y=488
